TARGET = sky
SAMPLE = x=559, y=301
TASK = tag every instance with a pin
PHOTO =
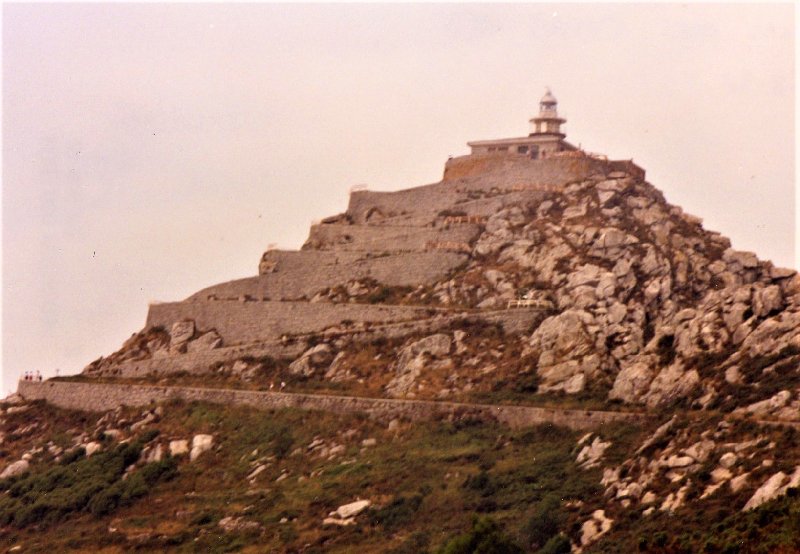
x=151, y=150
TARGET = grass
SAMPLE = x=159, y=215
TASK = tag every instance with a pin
x=425, y=482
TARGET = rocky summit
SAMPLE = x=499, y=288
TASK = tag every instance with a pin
x=592, y=363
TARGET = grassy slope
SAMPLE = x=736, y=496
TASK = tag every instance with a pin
x=426, y=481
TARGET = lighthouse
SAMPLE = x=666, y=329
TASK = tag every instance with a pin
x=548, y=123
x=545, y=139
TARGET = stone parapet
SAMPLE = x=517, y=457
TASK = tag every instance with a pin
x=97, y=397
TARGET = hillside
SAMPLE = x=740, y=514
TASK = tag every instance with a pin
x=545, y=342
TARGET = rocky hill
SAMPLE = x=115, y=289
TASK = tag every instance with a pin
x=565, y=282
x=596, y=282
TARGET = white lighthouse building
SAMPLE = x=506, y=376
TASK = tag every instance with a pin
x=545, y=139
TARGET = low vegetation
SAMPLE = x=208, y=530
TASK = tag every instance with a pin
x=424, y=482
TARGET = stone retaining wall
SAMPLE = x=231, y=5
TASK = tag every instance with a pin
x=384, y=238
x=305, y=273
x=98, y=397
x=244, y=322
x=512, y=321
x=509, y=167
x=425, y=204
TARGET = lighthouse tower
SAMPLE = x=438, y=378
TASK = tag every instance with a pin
x=548, y=123
x=545, y=140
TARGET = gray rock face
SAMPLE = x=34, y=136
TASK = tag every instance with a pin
x=746, y=260
x=181, y=332
x=768, y=406
x=774, y=334
x=595, y=527
x=206, y=341
x=567, y=351
x=769, y=490
x=590, y=455
x=414, y=358
x=632, y=382
x=313, y=358
x=767, y=300
x=671, y=383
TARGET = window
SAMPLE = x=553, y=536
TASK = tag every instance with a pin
x=522, y=149
x=503, y=149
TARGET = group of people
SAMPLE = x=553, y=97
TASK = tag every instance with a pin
x=272, y=385
x=33, y=376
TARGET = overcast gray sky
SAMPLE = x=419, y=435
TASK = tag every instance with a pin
x=151, y=150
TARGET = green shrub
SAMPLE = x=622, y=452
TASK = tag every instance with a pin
x=94, y=485
x=481, y=483
x=282, y=442
x=397, y=513
x=485, y=537
x=558, y=544
x=417, y=543
x=73, y=455
x=545, y=523
x=205, y=517
x=148, y=435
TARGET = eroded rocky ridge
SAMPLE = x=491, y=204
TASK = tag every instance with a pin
x=596, y=283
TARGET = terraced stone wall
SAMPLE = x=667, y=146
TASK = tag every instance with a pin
x=513, y=322
x=245, y=322
x=102, y=397
x=305, y=273
x=509, y=168
x=385, y=238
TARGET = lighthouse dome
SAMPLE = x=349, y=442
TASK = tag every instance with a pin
x=548, y=98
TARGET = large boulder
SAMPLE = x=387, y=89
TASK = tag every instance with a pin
x=633, y=381
x=768, y=406
x=767, y=300
x=311, y=359
x=590, y=454
x=567, y=351
x=773, y=335
x=351, y=510
x=92, y=448
x=180, y=333
x=414, y=358
x=206, y=341
x=595, y=527
x=17, y=468
x=769, y=490
x=178, y=447
x=671, y=384
x=200, y=444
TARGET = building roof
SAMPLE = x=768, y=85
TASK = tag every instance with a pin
x=548, y=98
